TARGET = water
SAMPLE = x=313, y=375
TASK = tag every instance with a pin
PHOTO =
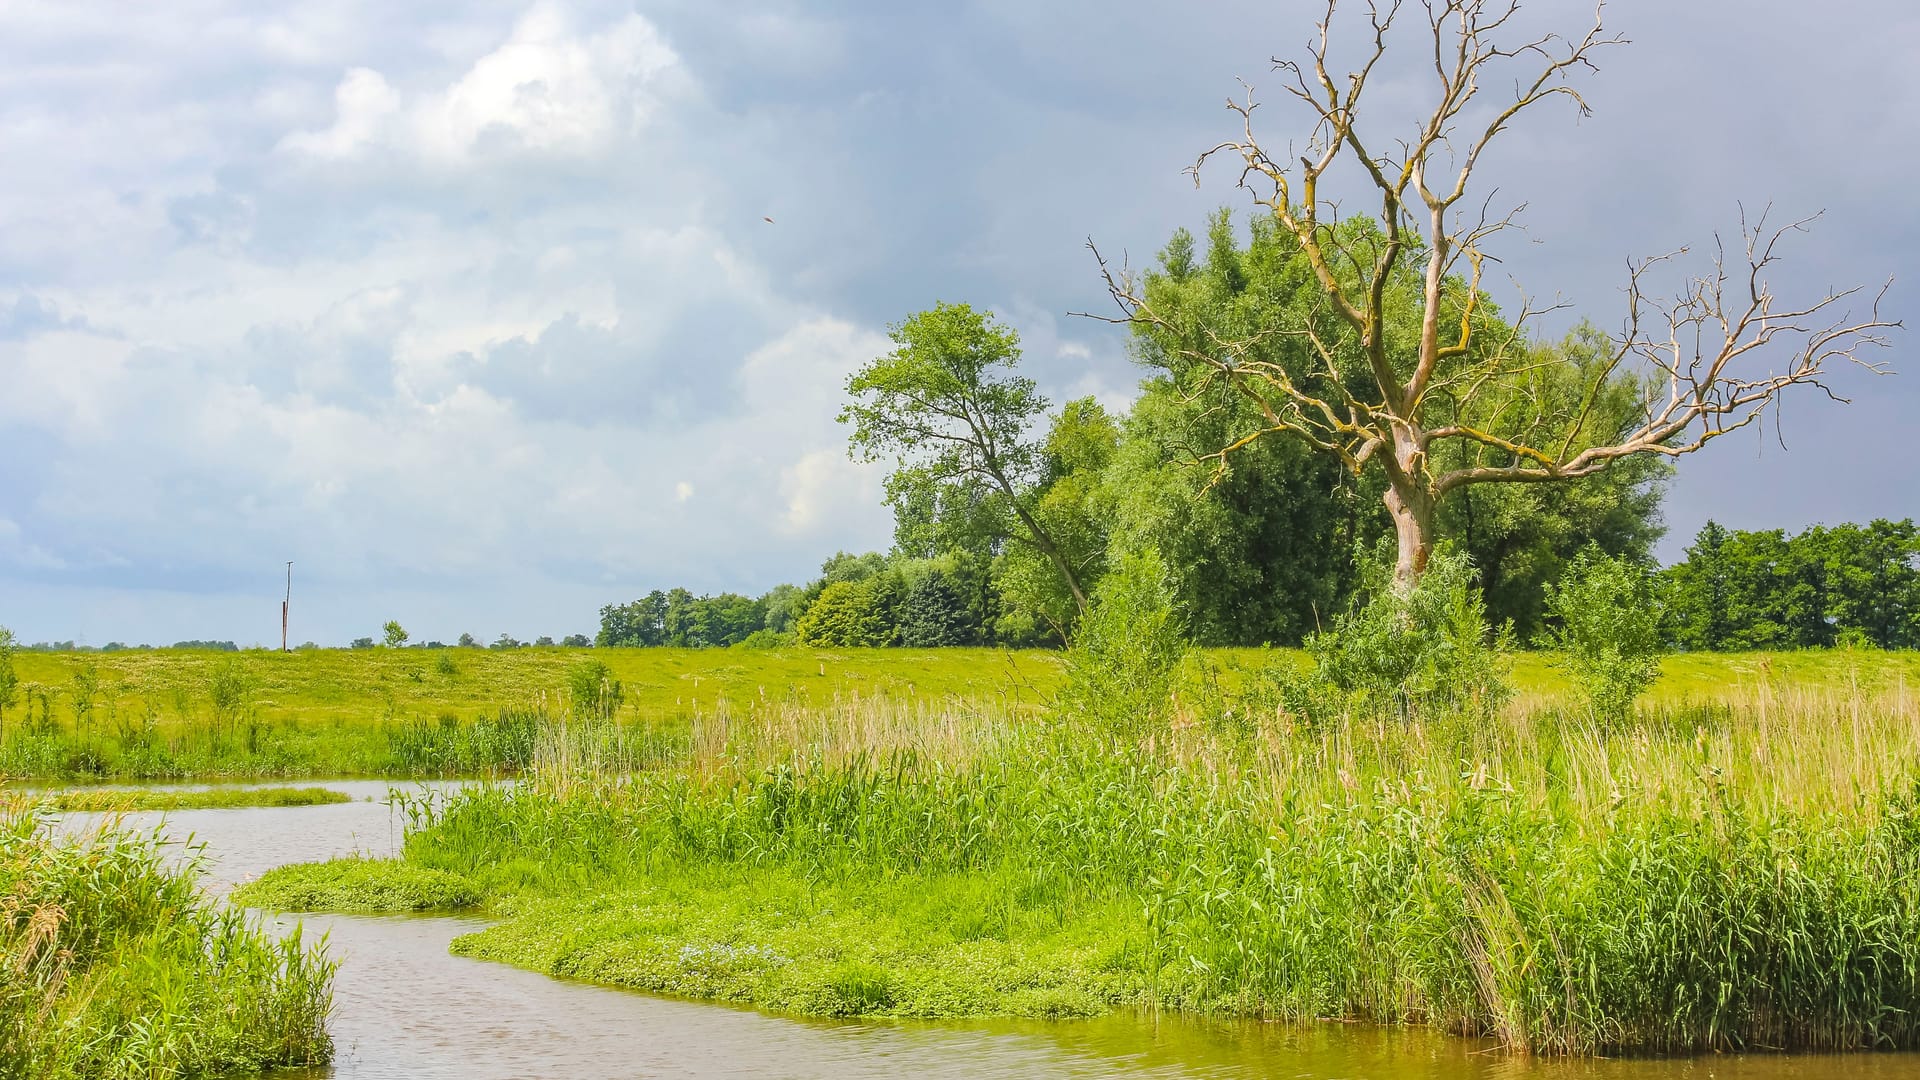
x=403, y=1007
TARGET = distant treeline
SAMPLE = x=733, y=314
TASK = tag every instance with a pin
x=120, y=646
x=858, y=600
x=1842, y=585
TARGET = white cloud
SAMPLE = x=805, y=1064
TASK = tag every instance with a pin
x=682, y=491
x=365, y=108
x=550, y=88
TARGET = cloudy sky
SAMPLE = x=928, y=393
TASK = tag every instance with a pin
x=471, y=311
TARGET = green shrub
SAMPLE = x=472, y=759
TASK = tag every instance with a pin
x=1607, y=625
x=596, y=693
x=1424, y=651
x=1121, y=666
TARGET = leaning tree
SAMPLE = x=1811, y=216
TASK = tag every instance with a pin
x=1446, y=401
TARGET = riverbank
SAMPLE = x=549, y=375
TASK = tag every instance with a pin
x=1736, y=877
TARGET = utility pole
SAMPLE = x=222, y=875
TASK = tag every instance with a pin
x=284, y=604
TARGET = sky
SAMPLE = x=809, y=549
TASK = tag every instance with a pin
x=472, y=311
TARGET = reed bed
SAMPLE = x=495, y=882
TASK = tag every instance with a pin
x=112, y=964
x=1738, y=875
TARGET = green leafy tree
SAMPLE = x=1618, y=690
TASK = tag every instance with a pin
x=1121, y=667
x=394, y=635
x=1606, y=618
x=849, y=614
x=933, y=613
x=946, y=408
x=1258, y=539
x=1768, y=590
x=1071, y=502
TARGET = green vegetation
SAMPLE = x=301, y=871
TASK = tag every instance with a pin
x=1850, y=585
x=118, y=800
x=364, y=886
x=403, y=712
x=1738, y=872
x=112, y=964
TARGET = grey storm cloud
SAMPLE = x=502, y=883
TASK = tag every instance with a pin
x=477, y=310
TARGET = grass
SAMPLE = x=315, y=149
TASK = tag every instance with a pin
x=1739, y=876
x=113, y=964
x=185, y=714
x=122, y=800
x=358, y=886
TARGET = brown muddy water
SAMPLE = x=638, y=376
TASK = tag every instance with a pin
x=403, y=1007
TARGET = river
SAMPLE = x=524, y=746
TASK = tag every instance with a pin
x=403, y=1007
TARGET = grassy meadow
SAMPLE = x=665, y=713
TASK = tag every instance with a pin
x=186, y=714
x=182, y=714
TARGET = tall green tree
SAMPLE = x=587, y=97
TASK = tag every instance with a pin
x=1259, y=541
x=1767, y=589
x=946, y=407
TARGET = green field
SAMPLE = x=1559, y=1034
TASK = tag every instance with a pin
x=182, y=714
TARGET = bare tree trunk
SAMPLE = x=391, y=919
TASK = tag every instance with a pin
x=1413, y=525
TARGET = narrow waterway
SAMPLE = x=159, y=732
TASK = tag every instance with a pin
x=403, y=1007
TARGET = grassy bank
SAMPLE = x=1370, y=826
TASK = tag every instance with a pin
x=1739, y=876
x=127, y=800
x=182, y=714
x=112, y=964
x=357, y=886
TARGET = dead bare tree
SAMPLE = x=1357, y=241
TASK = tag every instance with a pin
x=1699, y=357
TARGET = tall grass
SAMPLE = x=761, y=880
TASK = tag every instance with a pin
x=112, y=964
x=1745, y=875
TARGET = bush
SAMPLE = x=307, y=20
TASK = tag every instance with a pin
x=1607, y=625
x=594, y=689
x=1409, y=653
x=1120, y=669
